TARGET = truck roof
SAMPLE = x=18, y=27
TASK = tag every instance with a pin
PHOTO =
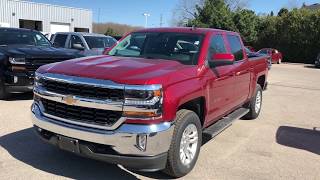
x=183, y=30
x=17, y=29
x=82, y=33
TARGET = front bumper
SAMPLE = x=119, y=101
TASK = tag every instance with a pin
x=19, y=81
x=120, y=145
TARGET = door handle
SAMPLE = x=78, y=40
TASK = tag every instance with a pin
x=242, y=72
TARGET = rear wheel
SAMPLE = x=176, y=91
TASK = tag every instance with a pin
x=255, y=104
x=185, y=145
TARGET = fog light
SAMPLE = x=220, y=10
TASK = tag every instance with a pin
x=142, y=142
x=15, y=79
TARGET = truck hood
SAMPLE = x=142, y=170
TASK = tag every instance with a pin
x=126, y=70
x=31, y=52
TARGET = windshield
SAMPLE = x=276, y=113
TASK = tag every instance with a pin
x=28, y=38
x=96, y=42
x=182, y=47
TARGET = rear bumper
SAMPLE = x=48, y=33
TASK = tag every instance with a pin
x=118, y=146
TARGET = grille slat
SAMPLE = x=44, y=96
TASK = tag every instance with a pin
x=81, y=114
x=83, y=90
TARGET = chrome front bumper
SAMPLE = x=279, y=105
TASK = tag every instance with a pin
x=123, y=140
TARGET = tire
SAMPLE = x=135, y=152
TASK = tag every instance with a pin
x=176, y=167
x=4, y=94
x=279, y=61
x=254, y=111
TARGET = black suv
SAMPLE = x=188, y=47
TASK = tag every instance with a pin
x=22, y=52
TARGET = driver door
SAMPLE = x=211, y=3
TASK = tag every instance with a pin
x=221, y=83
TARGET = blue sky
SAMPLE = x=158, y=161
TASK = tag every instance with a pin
x=130, y=11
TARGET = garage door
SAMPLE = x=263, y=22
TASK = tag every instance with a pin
x=55, y=27
x=3, y=24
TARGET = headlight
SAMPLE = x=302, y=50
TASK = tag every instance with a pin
x=17, y=60
x=37, y=78
x=143, y=101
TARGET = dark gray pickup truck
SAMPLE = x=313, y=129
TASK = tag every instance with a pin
x=22, y=52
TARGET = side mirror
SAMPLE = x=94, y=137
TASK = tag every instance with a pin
x=78, y=47
x=221, y=59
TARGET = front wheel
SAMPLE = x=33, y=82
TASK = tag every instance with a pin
x=255, y=104
x=280, y=61
x=4, y=94
x=185, y=145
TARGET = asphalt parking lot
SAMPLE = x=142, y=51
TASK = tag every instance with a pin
x=284, y=143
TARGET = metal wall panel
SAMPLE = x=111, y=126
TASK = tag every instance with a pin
x=13, y=10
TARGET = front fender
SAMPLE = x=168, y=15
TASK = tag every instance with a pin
x=180, y=93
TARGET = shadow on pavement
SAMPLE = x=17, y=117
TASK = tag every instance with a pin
x=20, y=96
x=311, y=66
x=25, y=146
x=305, y=139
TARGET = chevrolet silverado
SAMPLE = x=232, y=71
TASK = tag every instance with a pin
x=22, y=52
x=147, y=104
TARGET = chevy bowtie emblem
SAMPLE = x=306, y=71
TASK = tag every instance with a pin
x=69, y=100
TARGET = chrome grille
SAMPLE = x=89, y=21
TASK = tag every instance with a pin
x=82, y=90
x=81, y=114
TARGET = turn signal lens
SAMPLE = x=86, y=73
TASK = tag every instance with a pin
x=139, y=114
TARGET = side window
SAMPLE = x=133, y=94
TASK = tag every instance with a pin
x=76, y=41
x=110, y=42
x=60, y=40
x=236, y=47
x=216, y=45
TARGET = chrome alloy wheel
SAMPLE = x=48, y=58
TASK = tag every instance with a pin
x=258, y=102
x=188, y=144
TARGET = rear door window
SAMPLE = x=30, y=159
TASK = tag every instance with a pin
x=60, y=40
x=236, y=47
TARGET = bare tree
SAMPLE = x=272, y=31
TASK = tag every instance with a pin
x=120, y=29
x=237, y=4
x=184, y=11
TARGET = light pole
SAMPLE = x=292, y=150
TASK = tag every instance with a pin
x=146, y=15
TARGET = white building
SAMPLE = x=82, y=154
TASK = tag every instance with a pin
x=46, y=18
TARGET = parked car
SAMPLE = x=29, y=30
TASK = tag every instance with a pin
x=251, y=54
x=22, y=52
x=251, y=48
x=89, y=44
x=317, y=62
x=275, y=55
x=148, y=102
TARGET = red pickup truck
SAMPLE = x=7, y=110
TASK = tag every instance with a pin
x=149, y=102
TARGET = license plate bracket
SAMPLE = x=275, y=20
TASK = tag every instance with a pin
x=68, y=144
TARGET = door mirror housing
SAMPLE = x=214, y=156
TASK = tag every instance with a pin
x=221, y=59
x=78, y=47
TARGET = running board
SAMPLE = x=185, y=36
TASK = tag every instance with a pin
x=215, y=129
